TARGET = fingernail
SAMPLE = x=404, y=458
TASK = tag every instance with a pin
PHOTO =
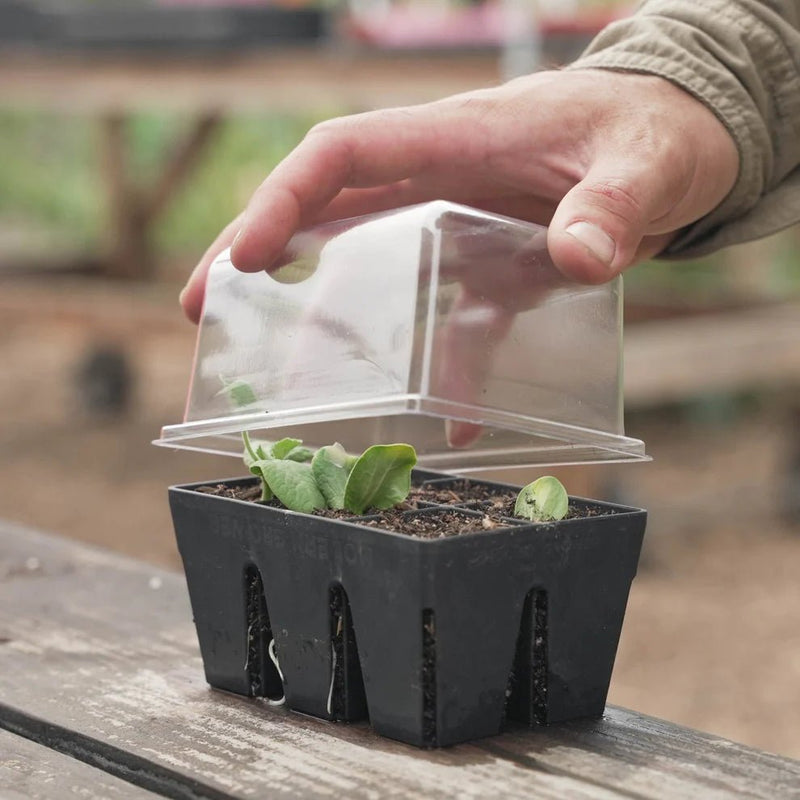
x=236, y=239
x=595, y=240
x=182, y=294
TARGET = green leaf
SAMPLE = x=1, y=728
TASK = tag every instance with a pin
x=543, y=500
x=240, y=392
x=301, y=454
x=282, y=448
x=256, y=468
x=331, y=467
x=293, y=484
x=263, y=449
x=254, y=450
x=380, y=478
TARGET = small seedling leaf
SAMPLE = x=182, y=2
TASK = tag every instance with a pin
x=240, y=392
x=293, y=484
x=301, y=454
x=254, y=450
x=282, y=448
x=544, y=500
x=263, y=449
x=256, y=468
x=331, y=467
x=380, y=478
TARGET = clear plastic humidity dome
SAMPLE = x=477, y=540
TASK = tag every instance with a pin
x=437, y=325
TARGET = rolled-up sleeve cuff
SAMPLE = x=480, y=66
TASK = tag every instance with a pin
x=678, y=49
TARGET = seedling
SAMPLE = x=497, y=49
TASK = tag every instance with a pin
x=239, y=392
x=304, y=480
x=544, y=500
x=330, y=477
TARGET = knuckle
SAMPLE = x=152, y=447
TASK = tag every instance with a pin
x=329, y=128
x=617, y=197
x=666, y=151
x=331, y=141
x=331, y=136
x=672, y=153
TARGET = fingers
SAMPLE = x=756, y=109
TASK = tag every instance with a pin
x=489, y=197
x=355, y=202
x=599, y=225
x=461, y=435
x=367, y=150
x=657, y=162
x=464, y=357
x=191, y=296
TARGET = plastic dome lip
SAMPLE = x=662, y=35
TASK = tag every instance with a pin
x=570, y=444
x=404, y=323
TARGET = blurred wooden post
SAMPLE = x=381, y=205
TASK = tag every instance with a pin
x=136, y=208
x=129, y=255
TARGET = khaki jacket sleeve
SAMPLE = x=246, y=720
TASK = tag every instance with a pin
x=742, y=59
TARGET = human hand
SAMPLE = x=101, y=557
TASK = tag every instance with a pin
x=614, y=163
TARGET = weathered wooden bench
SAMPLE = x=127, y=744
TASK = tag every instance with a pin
x=102, y=696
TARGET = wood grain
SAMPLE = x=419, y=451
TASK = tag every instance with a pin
x=671, y=360
x=102, y=649
x=295, y=79
x=29, y=771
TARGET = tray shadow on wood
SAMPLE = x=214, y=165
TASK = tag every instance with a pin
x=436, y=641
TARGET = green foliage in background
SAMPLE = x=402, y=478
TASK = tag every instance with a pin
x=47, y=176
x=51, y=173
x=768, y=269
x=244, y=150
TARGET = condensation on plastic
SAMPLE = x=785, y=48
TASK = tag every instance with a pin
x=437, y=325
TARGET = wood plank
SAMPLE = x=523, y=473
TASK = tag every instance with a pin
x=113, y=641
x=291, y=79
x=672, y=360
x=107, y=307
x=29, y=771
x=670, y=758
x=125, y=670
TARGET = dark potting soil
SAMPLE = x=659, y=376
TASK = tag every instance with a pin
x=446, y=493
x=263, y=677
x=526, y=695
x=428, y=677
x=461, y=491
x=434, y=523
x=494, y=507
x=249, y=492
x=336, y=702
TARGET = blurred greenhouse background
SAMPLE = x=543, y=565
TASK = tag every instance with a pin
x=131, y=132
x=52, y=198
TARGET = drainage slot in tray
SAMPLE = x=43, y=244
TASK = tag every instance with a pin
x=262, y=674
x=429, y=734
x=347, y=697
x=527, y=685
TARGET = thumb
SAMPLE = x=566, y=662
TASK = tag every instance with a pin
x=599, y=225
